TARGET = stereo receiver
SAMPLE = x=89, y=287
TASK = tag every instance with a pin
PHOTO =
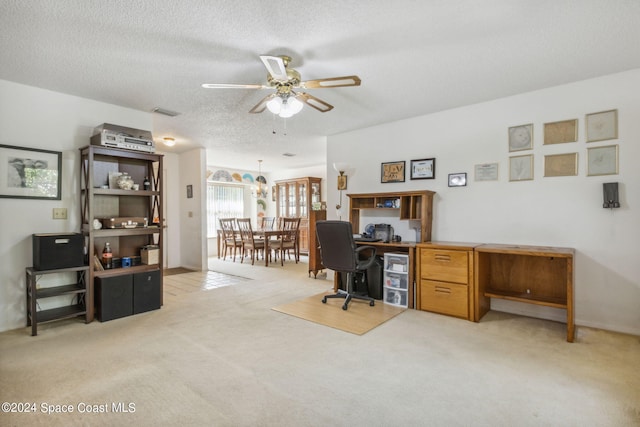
x=114, y=136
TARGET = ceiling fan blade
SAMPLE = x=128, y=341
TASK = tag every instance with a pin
x=314, y=102
x=275, y=66
x=262, y=105
x=331, y=82
x=232, y=86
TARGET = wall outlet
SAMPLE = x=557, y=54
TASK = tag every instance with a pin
x=59, y=213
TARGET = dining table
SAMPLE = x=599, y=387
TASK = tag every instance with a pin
x=266, y=234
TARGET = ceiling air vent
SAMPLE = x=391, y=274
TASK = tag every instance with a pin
x=165, y=112
x=288, y=154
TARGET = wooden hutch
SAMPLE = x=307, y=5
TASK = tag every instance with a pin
x=294, y=198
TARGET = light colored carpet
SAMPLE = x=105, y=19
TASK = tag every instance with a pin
x=222, y=357
x=359, y=319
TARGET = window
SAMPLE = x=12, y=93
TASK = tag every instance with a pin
x=223, y=201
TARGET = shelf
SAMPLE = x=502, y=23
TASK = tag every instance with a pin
x=527, y=298
x=98, y=201
x=60, y=290
x=127, y=270
x=396, y=272
x=113, y=192
x=115, y=232
x=59, y=313
x=32, y=271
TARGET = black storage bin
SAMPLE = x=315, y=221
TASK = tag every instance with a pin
x=114, y=297
x=60, y=250
x=146, y=291
x=375, y=278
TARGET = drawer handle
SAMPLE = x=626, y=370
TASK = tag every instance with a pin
x=443, y=290
x=440, y=257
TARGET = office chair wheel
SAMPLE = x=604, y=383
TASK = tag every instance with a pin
x=344, y=306
x=324, y=300
x=372, y=303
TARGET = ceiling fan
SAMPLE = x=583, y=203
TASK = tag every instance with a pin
x=286, y=101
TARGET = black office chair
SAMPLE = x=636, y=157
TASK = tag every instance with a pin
x=340, y=254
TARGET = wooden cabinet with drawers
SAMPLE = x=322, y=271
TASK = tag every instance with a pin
x=445, y=278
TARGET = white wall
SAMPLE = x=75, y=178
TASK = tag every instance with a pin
x=172, y=185
x=193, y=225
x=37, y=118
x=559, y=211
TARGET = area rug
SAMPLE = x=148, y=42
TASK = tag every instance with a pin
x=359, y=319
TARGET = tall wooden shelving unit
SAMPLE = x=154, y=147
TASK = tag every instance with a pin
x=294, y=198
x=99, y=202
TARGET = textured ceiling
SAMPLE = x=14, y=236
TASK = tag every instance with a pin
x=414, y=58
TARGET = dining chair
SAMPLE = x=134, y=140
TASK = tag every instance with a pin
x=249, y=242
x=287, y=240
x=267, y=222
x=230, y=238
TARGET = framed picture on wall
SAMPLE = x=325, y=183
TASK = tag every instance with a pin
x=423, y=169
x=561, y=132
x=486, y=172
x=602, y=160
x=458, y=179
x=561, y=164
x=392, y=172
x=602, y=126
x=521, y=168
x=521, y=137
x=29, y=173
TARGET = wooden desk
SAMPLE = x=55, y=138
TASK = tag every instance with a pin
x=532, y=274
x=382, y=248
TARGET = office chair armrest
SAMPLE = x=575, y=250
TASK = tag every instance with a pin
x=368, y=262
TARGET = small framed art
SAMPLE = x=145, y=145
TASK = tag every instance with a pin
x=29, y=173
x=602, y=160
x=423, y=169
x=602, y=126
x=457, y=179
x=486, y=172
x=561, y=164
x=189, y=191
x=561, y=132
x=392, y=172
x=521, y=137
x=521, y=168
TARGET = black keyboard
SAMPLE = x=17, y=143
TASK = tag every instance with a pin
x=366, y=239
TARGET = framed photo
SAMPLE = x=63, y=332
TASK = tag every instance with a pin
x=342, y=182
x=602, y=160
x=602, y=126
x=29, y=173
x=521, y=137
x=457, y=179
x=486, y=172
x=521, y=168
x=423, y=169
x=189, y=191
x=561, y=132
x=561, y=164
x=392, y=172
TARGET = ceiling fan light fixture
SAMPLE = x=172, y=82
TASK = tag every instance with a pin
x=294, y=105
x=275, y=105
